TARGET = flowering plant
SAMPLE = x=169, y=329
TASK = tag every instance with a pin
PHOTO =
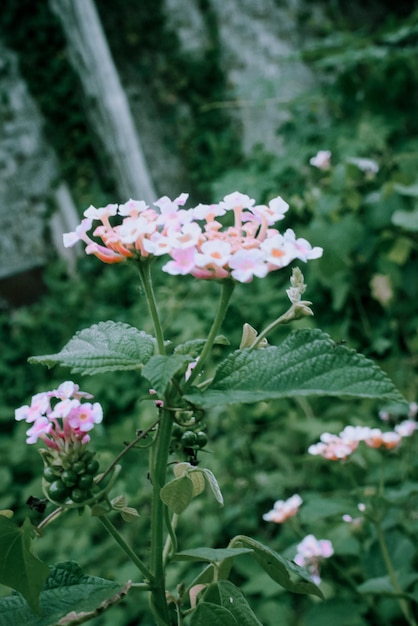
x=229, y=242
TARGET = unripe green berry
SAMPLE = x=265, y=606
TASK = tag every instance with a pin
x=92, y=467
x=69, y=478
x=201, y=439
x=78, y=467
x=85, y=481
x=80, y=495
x=188, y=439
x=58, y=491
x=50, y=474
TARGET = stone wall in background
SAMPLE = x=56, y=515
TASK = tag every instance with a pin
x=27, y=170
x=259, y=41
x=28, y=178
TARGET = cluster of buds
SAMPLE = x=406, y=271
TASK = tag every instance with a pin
x=194, y=239
x=59, y=418
x=283, y=509
x=310, y=553
x=340, y=447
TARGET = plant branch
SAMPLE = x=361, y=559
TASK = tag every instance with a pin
x=226, y=293
x=294, y=312
x=130, y=445
x=392, y=574
x=158, y=469
x=113, y=531
x=146, y=280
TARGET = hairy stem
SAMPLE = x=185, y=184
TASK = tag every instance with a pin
x=146, y=280
x=226, y=293
x=287, y=317
x=113, y=531
x=158, y=469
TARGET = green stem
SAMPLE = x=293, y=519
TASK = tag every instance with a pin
x=158, y=469
x=226, y=293
x=392, y=574
x=287, y=317
x=130, y=445
x=51, y=517
x=112, y=530
x=170, y=547
x=146, y=280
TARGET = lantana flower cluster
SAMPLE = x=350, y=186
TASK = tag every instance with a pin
x=60, y=418
x=310, y=552
x=283, y=509
x=340, y=447
x=194, y=239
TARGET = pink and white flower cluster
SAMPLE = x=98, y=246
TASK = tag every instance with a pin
x=283, y=509
x=194, y=239
x=340, y=447
x=310, y=552
x=59, y=418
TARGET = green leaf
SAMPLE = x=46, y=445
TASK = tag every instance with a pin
x=19, y=568
x=160, y=369
x=212, y=555
x=103, y=347
x=213, y=484
x=231, y=598
x=69, y=596
x=407, y=190
x=284, y=572
x=308, y=362
x=208, y=614
x=177, y=494
x=406, y=219
x=198, y=475
x=381, y=586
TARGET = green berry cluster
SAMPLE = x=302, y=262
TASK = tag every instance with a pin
x=75, y=481
x=188, y=442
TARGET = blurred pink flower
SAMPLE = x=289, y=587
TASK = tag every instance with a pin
x=310, y=553
x=322, y=160
x=283, y=509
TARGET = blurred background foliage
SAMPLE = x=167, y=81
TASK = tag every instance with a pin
x=364, y=292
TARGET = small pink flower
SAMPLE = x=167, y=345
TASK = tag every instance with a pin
x=215, y=252
x=333, y=448
x=302, y=248
x=41, y=426
x=274, y=212
x=237, y=200
x=322, y=160
x=278, y=252
x=132, y=208
x=391, y=440
x=190, y=369
x=283, y=509
x=85, y=416
x=246, y=264
x=310, y=552
x=406, y=428
x=40, y=404
x=183, y=262
x=80, y=234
